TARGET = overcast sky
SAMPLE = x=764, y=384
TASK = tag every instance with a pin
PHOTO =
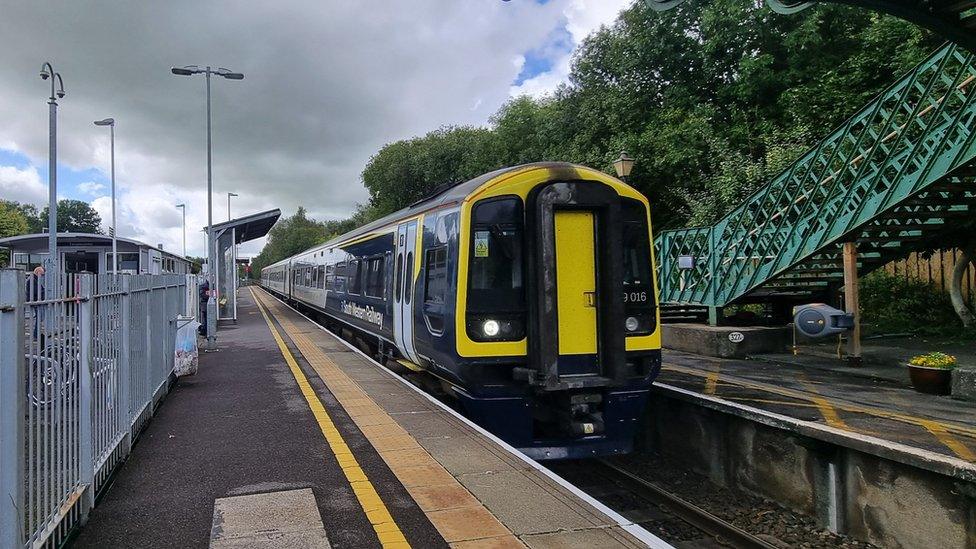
x=328, y=82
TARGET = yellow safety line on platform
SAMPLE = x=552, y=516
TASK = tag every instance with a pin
x=379, y=516
x=948, y=440
x=877, y=412
x=711, y=382
x=827, y=410
x=461, y=519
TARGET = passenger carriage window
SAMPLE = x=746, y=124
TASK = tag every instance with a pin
x=374, y=277
x=340, y=277
x=330, y=277
x=435, y=288
x=321, y=277
x=355, y=279
x=399, y=277
x=315, y=277
x=408, y=283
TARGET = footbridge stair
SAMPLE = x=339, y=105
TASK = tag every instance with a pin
x=896, y=177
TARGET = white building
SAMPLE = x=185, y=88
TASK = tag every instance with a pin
x=92, y=253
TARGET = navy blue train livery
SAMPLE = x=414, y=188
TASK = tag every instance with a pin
x=527, y=294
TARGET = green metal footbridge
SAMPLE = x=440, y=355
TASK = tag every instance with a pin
x=893, y=179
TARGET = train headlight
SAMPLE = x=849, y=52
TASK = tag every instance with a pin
x=631, y=324
x=490, y=328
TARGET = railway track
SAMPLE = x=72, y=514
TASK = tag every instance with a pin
x=657, y=510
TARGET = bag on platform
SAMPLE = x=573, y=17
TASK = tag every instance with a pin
x=187, y=354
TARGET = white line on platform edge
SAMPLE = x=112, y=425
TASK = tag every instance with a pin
x=632, y=528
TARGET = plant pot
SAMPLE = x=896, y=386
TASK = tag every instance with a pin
x=934, y=381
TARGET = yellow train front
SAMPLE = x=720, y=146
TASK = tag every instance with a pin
x=529, y=292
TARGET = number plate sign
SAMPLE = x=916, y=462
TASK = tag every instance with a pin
x=635, y=297
x=736, y=337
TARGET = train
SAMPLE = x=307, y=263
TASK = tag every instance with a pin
x=527, y=294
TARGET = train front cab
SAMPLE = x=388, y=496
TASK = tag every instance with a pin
x=556, y=288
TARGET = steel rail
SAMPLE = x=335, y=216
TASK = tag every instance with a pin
x=724, y=532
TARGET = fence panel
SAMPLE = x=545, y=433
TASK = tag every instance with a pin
x=82, y=358
x=936, y=268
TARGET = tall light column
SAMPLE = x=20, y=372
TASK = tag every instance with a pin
x=190, y=70
x=183, y=207
x=228, y=204
x=110, y=122
x=47, y=71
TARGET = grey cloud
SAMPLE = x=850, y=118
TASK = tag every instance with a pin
x=327, y=84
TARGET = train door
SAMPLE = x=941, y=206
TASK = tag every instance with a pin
x=575, y=316
x=576, y=291
x=403, y=289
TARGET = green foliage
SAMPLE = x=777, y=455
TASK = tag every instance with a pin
x=30, y=214
x=12, y=223
x=894, y=304
x=713, y=99
x=406, y=171
x=74, y=216
x=291, y=236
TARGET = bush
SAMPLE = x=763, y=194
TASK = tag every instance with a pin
x=892, y=303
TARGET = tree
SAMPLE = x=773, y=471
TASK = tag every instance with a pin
x=74, y=216
x=12, y=223
x=406, y=171
x=959, y=305
x=30, y=213
x=290, y=236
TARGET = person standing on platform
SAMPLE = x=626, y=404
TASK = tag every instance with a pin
x=204, y=296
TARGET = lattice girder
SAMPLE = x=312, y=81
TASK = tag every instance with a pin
x=904, y=146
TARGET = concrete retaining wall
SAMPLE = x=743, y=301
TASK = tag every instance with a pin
x=725, y=341
x=882, y=501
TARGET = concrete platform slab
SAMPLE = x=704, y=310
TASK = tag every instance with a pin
x=524, y=506
x=268, y=520
x=577, y=540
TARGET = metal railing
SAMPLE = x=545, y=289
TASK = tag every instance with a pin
x=896, y=165
x=83, y=361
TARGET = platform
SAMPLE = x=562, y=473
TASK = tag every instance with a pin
x=841, y=398
x=289, y=437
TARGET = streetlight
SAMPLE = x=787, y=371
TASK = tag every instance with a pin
x=183, y=207
x=47, y=71
x=228, y=204
x=110, y=122
x=623, y=164
x=190, y=70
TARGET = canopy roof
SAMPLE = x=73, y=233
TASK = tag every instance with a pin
x=251, y=226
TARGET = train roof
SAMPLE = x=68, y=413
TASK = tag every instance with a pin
x=444, y=195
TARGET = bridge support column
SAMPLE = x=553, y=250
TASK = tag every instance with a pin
x=852, y=302
x=714, y=315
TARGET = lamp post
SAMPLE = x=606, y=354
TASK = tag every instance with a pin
x=110, y=122
x=228, y=204
x=47, y=72
x=183, y=207
x=190, y=70
x=623, y=164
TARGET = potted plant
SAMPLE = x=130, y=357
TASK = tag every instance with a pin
x=932, y=373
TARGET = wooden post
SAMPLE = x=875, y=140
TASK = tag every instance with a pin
x=852, y=302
